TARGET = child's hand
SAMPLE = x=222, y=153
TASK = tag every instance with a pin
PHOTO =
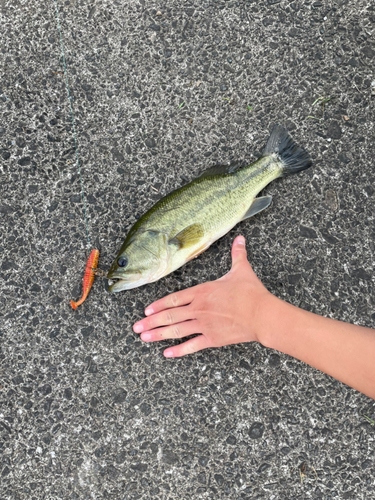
x=238, y=308
x=223, y=312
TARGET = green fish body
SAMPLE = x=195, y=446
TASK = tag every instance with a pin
x=187, y=221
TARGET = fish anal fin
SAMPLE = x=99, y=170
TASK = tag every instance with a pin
x=188, y=237
x=257, y=206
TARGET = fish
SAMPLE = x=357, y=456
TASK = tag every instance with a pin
x=187, y=221
x=88, y=277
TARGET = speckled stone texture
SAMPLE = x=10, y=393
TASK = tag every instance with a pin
x=161, y=91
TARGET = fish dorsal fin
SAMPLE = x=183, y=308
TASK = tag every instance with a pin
x=222, y=169
x=188, y=237
x=257, y=206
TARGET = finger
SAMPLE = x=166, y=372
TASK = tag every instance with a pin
x=176, y=299
x=176, y=331
x=164, y=318
x=239, y=254
x=193, y=345
x=239, y=257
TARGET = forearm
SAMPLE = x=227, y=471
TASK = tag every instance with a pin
x=344, y=351
x=237, y=308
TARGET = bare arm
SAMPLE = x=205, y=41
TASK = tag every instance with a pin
x=238, y=308
x=344, y=351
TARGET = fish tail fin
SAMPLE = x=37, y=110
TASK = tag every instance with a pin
x=292, y=157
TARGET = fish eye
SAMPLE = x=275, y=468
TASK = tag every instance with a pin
x=122, y=262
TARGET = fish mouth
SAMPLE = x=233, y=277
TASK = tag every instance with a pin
x=117, y=282
x=116, y=286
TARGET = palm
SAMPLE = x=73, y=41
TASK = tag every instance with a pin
x=221, y=312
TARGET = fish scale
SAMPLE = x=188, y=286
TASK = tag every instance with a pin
x=187, y=221
x=213, y=201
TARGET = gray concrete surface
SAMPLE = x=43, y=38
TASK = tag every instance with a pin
x=87, y=410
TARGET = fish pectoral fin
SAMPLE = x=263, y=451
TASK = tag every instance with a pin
x=188, y=237
x=257, y=206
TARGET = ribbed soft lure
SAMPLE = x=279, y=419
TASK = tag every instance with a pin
x=88, y=278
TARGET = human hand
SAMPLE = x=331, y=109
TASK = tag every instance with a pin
x=225, y=311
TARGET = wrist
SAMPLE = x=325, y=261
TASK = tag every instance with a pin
x=272, y=321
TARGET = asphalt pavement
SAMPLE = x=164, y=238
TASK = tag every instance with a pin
x=161, y=91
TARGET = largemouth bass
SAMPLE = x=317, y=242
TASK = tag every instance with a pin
x=188, y=220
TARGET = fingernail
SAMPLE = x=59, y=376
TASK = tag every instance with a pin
x=168, y=354
x=138, y=328
x=240, y=240
x=146, y=337
x=149, y=311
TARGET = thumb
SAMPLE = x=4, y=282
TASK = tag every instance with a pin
x=239, y=254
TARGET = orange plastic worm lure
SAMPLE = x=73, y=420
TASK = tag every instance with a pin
x=88, y=278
